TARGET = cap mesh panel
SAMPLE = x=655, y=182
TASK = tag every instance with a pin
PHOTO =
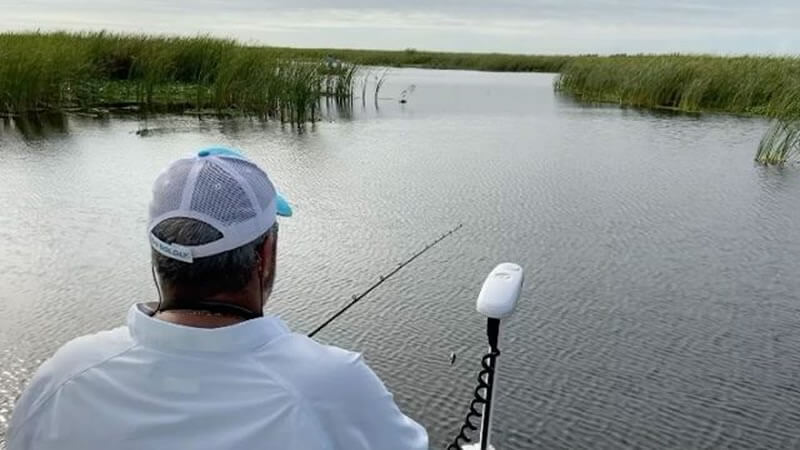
x=219, y=195
x=257, y=179
x=168, y=188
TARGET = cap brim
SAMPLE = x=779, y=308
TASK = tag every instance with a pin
x=283, y=208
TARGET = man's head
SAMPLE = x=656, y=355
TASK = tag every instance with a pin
x=213, y=231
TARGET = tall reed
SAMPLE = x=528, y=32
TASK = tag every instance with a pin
x=39, y=72
x=767, y=86
x=780, y=144
x=51, y=71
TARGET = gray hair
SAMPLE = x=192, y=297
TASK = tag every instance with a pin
x=225, y=272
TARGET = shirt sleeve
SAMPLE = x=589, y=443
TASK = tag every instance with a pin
x=21, y=429
x=17, y=439
x=33, y=413
x=361, y=413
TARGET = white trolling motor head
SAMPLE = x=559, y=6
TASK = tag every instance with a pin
x=497, y=300
x=500, y=291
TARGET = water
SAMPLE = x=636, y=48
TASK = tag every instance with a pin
x=662, y=299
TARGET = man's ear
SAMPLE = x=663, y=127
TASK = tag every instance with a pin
x=265, y=252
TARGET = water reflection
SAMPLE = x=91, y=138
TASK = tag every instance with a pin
x=32, y=127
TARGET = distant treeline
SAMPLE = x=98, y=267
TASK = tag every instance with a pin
x=495, y=62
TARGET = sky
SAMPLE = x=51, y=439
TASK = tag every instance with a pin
x=511, y=26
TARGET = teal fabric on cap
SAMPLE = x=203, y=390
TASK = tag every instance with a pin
x=220, y=151
x=284, y=209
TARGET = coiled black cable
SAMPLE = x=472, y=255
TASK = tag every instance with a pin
x=482, y=393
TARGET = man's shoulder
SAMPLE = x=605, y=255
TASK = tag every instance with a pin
x=85, y=352
x=302, y=349
x=71, y=360
x=312, y=364
x=347, y=397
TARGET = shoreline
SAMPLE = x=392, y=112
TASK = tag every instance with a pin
x=59, y=71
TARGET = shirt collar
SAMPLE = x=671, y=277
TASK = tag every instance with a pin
x=247, y=335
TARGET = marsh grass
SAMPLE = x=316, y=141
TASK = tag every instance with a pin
x=780, y=144
x=764, y=86
x=39, y=73
x=56, y=71
x=379, y=80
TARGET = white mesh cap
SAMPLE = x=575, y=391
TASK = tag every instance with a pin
x=222, y=188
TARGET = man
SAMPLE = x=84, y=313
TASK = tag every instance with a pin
x=203, y=368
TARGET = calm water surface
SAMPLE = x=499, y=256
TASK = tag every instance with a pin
x=662, y=304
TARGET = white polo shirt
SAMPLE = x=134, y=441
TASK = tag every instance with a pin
x=253, y=385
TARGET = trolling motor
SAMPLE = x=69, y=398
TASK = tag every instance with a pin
x=496, y=301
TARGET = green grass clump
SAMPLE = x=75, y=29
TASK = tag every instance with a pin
x=55, y=71
x=780, y=144
x=765, y=86
x=39, y=73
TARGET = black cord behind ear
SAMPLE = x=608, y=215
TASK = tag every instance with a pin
x=158, y=287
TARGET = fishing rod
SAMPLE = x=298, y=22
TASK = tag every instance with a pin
x=382, y=278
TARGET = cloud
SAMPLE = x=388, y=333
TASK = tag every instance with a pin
x=730, y=26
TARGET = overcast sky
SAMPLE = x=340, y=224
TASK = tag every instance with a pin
x=523, y=26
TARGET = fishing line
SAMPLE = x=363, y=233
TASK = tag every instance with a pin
x=357, y=298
